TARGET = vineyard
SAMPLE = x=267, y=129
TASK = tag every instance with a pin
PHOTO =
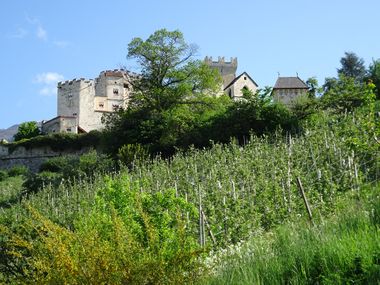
x=172, y=215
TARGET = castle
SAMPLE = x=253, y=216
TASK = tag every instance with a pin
x=81, y=103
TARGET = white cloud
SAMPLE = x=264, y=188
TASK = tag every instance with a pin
x=34, y=25
x=41, y=33
x=49, y=77
x=49, y=81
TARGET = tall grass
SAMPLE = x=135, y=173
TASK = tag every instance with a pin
x=342, y=249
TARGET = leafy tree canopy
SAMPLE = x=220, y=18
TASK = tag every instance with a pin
x=352, y=66
x=169, y=73
x=374, y=75
x=170, y=96
x=27, y=130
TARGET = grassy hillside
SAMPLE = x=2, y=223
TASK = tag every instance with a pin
x=161, y=221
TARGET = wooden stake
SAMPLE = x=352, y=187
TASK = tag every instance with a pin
x=305, y=200
x=208, y=227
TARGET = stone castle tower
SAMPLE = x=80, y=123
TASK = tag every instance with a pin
x=81, y=103
x=227, y=69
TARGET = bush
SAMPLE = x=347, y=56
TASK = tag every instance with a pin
x=129, y=237
x=69, y=167
x=35, y=182
x=131, y=153
x=3, y=175
x=60, y=141
x=18, y=170
x=27, y=130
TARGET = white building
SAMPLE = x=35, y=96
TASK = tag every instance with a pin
x=232, y=84
x=81, y=103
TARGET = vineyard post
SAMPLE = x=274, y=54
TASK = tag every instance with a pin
x=289, y=179
x=305, y=200
x=201, y=221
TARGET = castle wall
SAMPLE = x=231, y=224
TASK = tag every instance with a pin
x=31, y=158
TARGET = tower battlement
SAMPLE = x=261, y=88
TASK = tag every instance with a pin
x=221, y=61
x=227, y=69
x=73, y=82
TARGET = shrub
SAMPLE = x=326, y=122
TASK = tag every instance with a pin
x=18, y=170
x=37, y=181
x=27, y=130
x=3, y=175
x=130, y=153
x=129, y=237
x=69, y=167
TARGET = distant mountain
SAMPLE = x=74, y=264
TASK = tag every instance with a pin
x=8, y=134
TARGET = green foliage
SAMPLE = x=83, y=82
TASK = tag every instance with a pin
x=173, y=95
x=58, y=169
x=256, y=114
x=18, y=170
x=36, y=181
x=129, y=237
x=352, y=66
x=60, y=141
x=169, y=75
x=3, y=175
x=27, y=130
x=132, y=153
x=374, y=76
x=314, y=89
x=343, y=249
x=345, y=95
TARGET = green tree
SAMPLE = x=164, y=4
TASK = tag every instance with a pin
x=169, y=73
x=346, y=94
x=374, y=75
x=172, y=95
x=352, y=66
x=27, y=130
x=314, y=89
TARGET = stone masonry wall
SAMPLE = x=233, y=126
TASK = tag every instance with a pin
x=31, y=158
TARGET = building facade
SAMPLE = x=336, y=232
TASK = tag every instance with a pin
x=288, y=89
x=81, y=103
x=232, y=84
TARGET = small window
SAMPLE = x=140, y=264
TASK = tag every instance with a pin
x=74, y=114
x=68, y=129
x=101, y=105
x=126, y=86
x=245, y=77
x=115, y=107
x=115, y=91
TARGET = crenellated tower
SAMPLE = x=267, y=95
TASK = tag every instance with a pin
x=227, y=69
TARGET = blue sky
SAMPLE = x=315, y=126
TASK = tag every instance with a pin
x=43, y=42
